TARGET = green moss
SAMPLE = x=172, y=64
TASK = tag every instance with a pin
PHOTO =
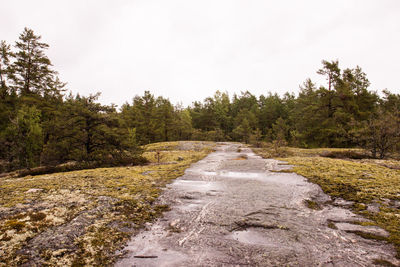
x=382, y=262
x=332, y=225
x=359, y=207
x=312, y=205
x=15, y=224
x=368, y=235
x=342, y=178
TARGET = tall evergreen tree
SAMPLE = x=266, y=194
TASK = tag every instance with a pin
x=8, y=99
x=31, y=70
x=5, y=60
x=222, y=110
x=184, y=128
x=164, y=115
x=243, y=131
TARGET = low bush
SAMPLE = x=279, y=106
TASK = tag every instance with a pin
x=345, y=154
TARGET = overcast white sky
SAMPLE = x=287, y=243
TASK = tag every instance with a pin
x=186, y=50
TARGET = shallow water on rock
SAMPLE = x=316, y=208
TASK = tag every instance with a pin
x=254, y=238
x=198, y=186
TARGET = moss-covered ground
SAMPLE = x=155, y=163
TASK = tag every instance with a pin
x=366, y=182
x=82, y=217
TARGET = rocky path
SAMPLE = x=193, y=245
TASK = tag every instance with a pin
x=231, y=209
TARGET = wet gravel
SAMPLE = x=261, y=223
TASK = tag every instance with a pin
x=233, y=209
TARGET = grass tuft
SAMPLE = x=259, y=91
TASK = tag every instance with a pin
x=15, y=224
x=37, y=216
x=312, y=204
x=382, y=262
x=332, y=225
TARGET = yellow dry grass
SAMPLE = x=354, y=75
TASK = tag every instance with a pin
x=366, y=181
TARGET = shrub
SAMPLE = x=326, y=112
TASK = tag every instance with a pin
x=345, y=154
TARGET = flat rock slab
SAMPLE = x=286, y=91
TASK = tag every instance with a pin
x=231, y=212
x=373, y=230
x=33, y=190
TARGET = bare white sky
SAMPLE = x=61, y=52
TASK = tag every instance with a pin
x=186, y=50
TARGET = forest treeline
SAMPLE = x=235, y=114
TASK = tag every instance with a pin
x=43, y=125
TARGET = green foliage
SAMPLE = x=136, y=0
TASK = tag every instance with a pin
x=5, y=70
x=24, y=137
x=184, y=128
x=89, y=131
x=379, y=134
x=39, y=126
x=242, y=131
x=156, y=119
x=317, y=117
x=256, y=138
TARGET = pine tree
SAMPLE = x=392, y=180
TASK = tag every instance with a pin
x=31, y=70
x=242, y=131
x=184, y=128
x=5, y=60
x=8, y=99
x=164, y=116
x=222, y=108
x=307, y=116
x=271, y=108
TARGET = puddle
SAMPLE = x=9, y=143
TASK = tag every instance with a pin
x=206, y=173
x=253, y=237
x=243, y=174
x=282, y=178
x=230, y=174
x=190, y=205
x=198, y=186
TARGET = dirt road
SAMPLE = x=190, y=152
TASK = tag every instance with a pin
x=231, y=209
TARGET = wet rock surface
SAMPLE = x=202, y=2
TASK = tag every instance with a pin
x=233, y=209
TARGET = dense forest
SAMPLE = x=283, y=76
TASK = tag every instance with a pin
x=43, y=125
